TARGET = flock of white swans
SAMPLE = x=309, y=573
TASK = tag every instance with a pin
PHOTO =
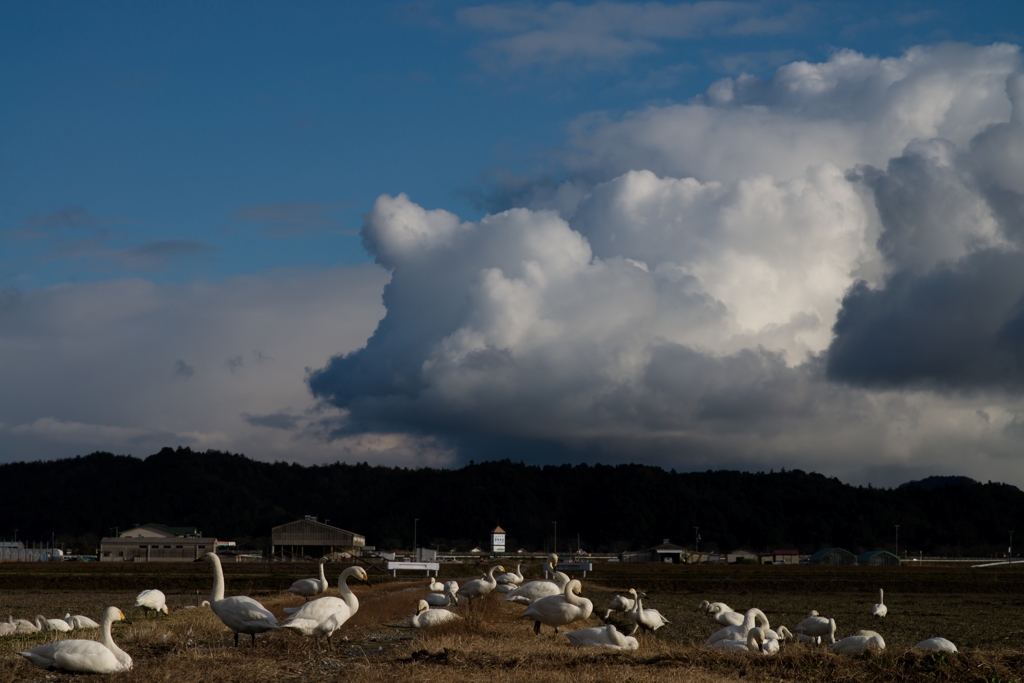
x=557, y=602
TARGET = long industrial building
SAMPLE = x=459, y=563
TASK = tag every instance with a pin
x=309, y=539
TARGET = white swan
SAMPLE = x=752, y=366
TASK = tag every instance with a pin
x=816, y=627
x=559, y=610
x=751, y=644
x=308, y=588
x=649, y=619
x=85, y=656
x=855, y=645
x=709, y=607
x=446, y=599
x=535, y=590
x=620, y=603
x=515, y=577
x=879, y=610
x=22, y=625
x=7, y=629
x=434, y=586
x=726, y=618
x=44, y=624
x=480, y=587
x=239, y=613
x=740, y=631
x=80, y=622
x=935, y=645
x=152, y=601
x=453, y=586
x=307, y=618
x=426, y=617
x=602, y=636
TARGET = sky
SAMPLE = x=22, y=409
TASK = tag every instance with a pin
x=709, y=235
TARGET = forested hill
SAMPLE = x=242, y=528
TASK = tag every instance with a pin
x=609, y=508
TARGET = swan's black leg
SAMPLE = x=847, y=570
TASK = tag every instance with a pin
x=253, y=639
x=556, y=630
x=236, y=638
x=536, y=627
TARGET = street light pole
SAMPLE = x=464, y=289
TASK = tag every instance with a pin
x=554, y=548
x=1009, y=551
x=696, y=539
x=897, y=541
x=415, y=522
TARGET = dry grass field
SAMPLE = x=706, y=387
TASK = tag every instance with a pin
x=982, y=611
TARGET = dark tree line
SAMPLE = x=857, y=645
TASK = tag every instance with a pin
x=602, y=507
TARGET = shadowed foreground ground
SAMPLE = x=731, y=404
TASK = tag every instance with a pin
x=980, y=611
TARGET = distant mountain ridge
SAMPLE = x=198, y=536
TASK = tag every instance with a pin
x=935, y=482
x=597, y=507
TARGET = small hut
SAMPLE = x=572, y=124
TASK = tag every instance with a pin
x=837, y=556
x=878, y=558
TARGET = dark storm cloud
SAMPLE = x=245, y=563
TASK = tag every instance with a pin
x=951, y=312
x=959, y=326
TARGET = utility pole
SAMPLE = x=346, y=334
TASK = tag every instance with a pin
x=416, y=553
x=696, y=539
x=554, y=548
x=1009, y=551
x=897, y=541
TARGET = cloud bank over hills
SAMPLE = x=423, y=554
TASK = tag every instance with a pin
x=821, y=270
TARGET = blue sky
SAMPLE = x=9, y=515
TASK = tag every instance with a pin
x=186, y=140
x=711, y=234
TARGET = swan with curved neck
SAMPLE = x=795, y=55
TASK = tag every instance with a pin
x=649, y=619
x=752, y=643
x=239, y=613
x=620, y=603
x=739, y=632
x=308, y=588
x=44, y=624
x=880, y=610
x=480, y=587
x=80, y=622
x=559, y=610
x=514, y=578
x=602, y=636
x=84, y=656
x=307, y=618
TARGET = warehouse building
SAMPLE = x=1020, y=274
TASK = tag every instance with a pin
x=877, y=558
x=156, y=543
x=308, y=539
x=834, y=556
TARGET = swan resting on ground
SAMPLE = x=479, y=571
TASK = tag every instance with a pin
x=751, y=644
x=434, y=586
x=306, y=620
x=879, y=610
x=855, y=645
x=447, y=599
x=152, y=601
x=935, y=645
x=44, y=624
x=84, y=656
x=740, y=631
x=602, y=636
x=514, y=578
x=649, y=619
x=22, y=625
x=80, y=622
x=426, y=617
x=308, y=588
x=560, y=610
x=239, y=613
